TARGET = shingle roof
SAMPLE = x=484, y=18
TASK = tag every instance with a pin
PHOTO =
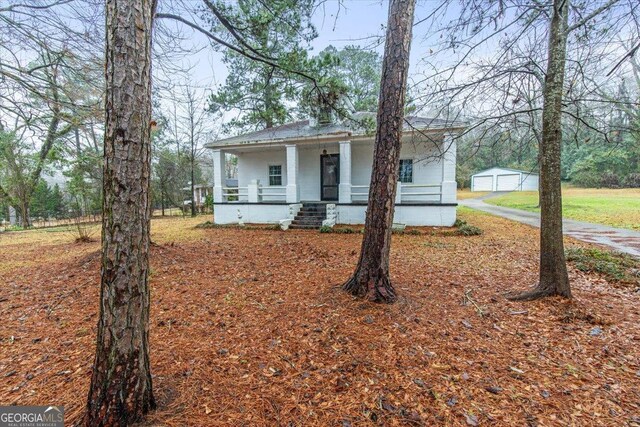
x=305, y=129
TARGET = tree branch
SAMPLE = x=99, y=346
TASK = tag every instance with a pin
x=592, y=15
x=628, y=55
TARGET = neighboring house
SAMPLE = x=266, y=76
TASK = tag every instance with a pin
x=504, y=179
x=200, y=193
x=323, y=170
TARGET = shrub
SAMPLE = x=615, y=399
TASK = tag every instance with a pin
x=632, y=180
x=341, y=230
x=586, y=179
x=207, y=224
x=459, y=223
x=464, y=229
x=610, y=180
x=326, y=229
x=469, y=230
x=344, y=230
x=615, y=266
x=82, y=231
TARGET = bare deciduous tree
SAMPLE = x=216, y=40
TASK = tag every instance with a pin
x=497, y=77
x=554, y=279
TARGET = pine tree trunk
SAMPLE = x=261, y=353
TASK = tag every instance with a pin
x=120, y=392
x=371, y=277
x=554, y=279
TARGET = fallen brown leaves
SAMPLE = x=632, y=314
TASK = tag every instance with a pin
x=249, y=327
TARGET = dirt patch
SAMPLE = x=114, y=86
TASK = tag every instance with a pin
x=250, y=327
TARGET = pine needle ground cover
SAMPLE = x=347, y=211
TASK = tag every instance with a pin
x=618, y=208
x=249, y=327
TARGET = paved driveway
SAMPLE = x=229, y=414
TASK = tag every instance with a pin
x=620, y=239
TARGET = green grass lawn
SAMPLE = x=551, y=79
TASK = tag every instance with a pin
x=468, y=194
x=618, y=208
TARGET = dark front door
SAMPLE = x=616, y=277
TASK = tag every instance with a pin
x=329, y=176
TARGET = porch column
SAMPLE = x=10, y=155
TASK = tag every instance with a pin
x=293, y=195
x=449, y=185
x=218, y=175
x=344, y=188
x=253, y=190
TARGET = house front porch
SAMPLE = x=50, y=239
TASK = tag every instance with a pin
x=271, y=186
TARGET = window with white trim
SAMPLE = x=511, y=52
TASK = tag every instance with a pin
x=406, y=170
x=275, y=174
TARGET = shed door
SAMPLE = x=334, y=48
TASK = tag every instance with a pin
x=483, y=183
x=508, y=182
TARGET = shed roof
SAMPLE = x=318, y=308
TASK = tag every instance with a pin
x=506, y=169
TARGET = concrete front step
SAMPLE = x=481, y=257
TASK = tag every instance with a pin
x=304, y=227
x=306, y=222
x=310, y=217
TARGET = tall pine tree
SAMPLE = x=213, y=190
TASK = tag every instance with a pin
x=259, y=92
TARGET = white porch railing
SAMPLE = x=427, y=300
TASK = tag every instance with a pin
x=272, y=193
x=261, y=194
x=359, y=193
x=420, y=192
x=235, y=194
x=405, y=193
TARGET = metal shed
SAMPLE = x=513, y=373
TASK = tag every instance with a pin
x=504, y=179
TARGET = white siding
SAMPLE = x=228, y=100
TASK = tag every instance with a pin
x=252, y=213
x=227, y=213
x=529, y=182
x=425, y=170
x=255, y=165
x=438, y=216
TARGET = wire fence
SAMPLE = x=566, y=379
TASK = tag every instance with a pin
x=95, y=218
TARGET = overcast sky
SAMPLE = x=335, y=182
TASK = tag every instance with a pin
x=349, y=22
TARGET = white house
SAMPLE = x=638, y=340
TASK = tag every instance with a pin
x=200, y=194
x=307, y=173
x=504, y=179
